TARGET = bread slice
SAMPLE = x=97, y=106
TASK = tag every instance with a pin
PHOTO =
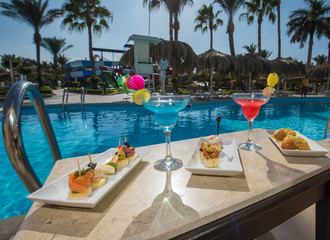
x=79, y=196
x=99, y=183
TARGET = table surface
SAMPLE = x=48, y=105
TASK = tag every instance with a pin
x=137, y=209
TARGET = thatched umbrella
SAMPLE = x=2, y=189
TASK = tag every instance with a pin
x=322, y=70
x=127, y=58
x=288, y=66
x=179, y=55
x=253, y=64
x=213, y=60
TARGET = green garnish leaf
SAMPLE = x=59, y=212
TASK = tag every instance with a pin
x=115, y=165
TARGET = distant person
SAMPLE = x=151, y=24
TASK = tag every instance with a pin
x=304, y=89
x=59, y=83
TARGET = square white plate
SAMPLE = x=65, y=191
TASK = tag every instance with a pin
x=229, y=164
x=56, y=192
x=316, y=149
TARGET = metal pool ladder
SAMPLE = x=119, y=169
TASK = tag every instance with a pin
x=65, y=91
x=327, y=129
x=12, y=134
x=82, y=97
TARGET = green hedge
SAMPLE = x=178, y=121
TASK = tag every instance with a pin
x=45, y=90
x=78, y=90
x=3, y=91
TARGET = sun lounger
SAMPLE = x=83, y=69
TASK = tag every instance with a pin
x=199, y=94
x=279, y=93
x=219, y=95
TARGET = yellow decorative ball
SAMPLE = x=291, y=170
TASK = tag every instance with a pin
x=272, y=80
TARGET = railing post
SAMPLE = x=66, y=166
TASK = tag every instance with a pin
x=12, y=134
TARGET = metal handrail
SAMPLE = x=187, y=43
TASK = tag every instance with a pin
x=12, y=134
x=327, y=129
x=65, y=90
x=82, y=96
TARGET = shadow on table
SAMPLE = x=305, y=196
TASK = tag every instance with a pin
x=79, y=222
x=279, y=173
x=164, y=215
x=234, y=183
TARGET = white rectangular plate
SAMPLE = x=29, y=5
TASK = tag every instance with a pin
x=56, y=192
x=316, y=149
x=229, y=164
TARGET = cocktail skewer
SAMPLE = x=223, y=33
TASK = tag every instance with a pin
x=218, y=120
x=78, y=167
x=90, y=158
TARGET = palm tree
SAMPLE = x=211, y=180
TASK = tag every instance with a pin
x=265, y=53
x=34, y=14
x=179, y=5
x=251, y=49
x=279, y=26
x=169, y=4
x=55, y=46
x=82, y=14
x=306, y=22
x=230, y=7
x=259, y=8
x=320, y=59
x=63, y=60
x=206, y=19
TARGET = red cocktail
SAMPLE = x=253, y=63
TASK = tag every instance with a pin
x=250, y=107
x=250, y=103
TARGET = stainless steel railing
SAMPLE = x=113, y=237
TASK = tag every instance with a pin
x=82, y=96
x=327, y=129
x=65, y=91
x=12, y=134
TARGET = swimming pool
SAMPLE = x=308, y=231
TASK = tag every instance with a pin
x=100, y=126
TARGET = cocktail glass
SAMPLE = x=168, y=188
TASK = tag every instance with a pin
x=250, y=103
x=166, y=109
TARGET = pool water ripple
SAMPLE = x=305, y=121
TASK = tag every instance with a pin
x=99, y=127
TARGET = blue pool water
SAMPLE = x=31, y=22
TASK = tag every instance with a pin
x=100, y=126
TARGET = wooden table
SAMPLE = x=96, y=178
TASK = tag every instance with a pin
x=272, y=189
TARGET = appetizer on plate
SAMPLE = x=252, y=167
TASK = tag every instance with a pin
x=288, y=139
x=209, y=151
x=122, y=157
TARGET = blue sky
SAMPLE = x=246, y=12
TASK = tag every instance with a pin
x=129, y=17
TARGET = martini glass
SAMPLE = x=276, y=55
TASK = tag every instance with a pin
x=166, y=109
x=250, y=103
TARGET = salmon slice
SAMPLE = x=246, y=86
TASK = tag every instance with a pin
x=80, y=184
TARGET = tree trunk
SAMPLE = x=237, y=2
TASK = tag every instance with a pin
x=230, y=31
x=211, y=34
x=37, y=40
x=329, y=51
x=90, y=43
x=279, y=27
x=259, y=34
x=176, y=27
x=310, y=49
x=55, y=69
x=171, y=26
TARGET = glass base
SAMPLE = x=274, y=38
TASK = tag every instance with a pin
x=168, y=164
x=250, y=146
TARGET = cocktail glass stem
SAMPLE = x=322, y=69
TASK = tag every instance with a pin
x=168, y=144
x=250, y=139
x=249, y=144
x=168, y=163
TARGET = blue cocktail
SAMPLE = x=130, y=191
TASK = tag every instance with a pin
x=166, y=109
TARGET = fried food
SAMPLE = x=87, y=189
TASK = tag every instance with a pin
x=281, y=133
x=295, y=142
